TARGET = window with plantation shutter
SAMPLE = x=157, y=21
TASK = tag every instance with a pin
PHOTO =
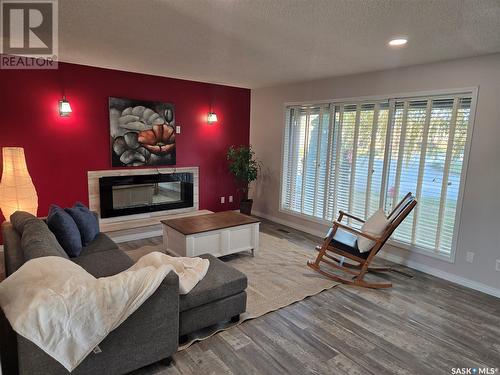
x=360, y=156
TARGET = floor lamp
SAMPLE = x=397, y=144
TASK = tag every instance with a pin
x=17, y=192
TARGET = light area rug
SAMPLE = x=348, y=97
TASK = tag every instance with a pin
x=277, y=277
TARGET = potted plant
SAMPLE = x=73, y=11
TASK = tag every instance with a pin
x=244, y=167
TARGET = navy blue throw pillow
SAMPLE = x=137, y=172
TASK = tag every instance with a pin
x=64, y=228
x=86, y=222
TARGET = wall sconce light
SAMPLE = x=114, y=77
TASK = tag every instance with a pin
x=211, y=118
x=64, y=107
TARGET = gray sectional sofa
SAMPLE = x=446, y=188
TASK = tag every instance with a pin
x=149, y=335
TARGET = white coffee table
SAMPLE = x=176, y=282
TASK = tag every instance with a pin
x=219, y=234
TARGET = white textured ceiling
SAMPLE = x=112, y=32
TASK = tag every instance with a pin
x=255, y=43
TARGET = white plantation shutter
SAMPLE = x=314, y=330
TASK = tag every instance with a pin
x=455, y=171
x=362, y=156
x=311, y=159
x=377, y=152
x=345, y=158
x=305, y=146
x=288, y=170
x=324, y=143
x=332, y=166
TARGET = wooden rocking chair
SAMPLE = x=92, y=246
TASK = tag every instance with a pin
x=341, y=241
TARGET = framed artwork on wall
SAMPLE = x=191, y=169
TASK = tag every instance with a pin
x=142, y=133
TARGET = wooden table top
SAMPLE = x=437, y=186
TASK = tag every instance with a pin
x=205, y=223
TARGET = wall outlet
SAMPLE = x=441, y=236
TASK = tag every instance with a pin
x=222, y=200
x=230, y=199
x=178, y=129
x=470, y=256
x=497, y=265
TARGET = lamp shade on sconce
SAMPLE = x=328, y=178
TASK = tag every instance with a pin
x=212, y=118
x=17, y=192
x=64, y=107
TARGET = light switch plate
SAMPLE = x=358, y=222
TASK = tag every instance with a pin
x=178, y=129
x=222, y=200
x=230, y=199
x=470, y=256
x=497, y=266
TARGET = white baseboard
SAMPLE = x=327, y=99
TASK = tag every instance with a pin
x=441, y=274
x=400, y=260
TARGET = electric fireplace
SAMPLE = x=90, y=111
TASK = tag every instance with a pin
x=128, y=195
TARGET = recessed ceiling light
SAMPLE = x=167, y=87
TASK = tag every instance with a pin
x=398, y=42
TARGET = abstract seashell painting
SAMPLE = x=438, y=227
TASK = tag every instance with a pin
x=142, y=133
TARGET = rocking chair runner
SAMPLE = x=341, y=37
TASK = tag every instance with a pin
x=341, y=240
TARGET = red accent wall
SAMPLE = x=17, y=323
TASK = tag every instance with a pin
x=59, y=151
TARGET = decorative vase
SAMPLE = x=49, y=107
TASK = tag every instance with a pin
x=246, y=206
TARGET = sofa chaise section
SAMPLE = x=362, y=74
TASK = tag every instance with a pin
x=219, y=297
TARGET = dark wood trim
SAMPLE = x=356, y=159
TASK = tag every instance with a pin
x=206, y=223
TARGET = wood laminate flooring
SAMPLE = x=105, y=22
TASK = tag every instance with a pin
x=423, y=325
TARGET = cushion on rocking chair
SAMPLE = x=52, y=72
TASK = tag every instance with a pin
x=346, y=241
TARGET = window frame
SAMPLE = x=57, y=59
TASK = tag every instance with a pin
x=392, y=98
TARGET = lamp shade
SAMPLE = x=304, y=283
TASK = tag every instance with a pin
x=64, y=107
x=17, y=192
x=212, y=118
